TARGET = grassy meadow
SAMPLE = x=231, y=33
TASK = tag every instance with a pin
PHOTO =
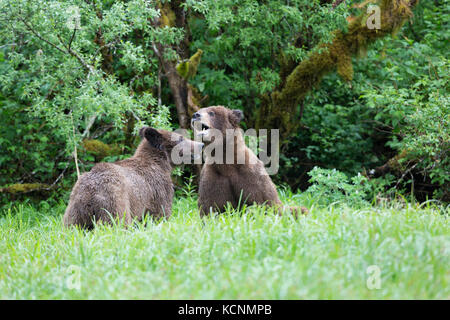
x=398, y=252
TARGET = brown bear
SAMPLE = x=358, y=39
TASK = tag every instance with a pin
x=130, y=188
x=238, y=182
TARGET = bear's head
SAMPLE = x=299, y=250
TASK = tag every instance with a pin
x=171, y=144
x=209, y=122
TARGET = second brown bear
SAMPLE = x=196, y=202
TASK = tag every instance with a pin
x=130, y=188
x=234, y=183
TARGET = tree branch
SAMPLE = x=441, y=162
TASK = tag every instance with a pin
x=30, y=28
x=65, y=50
x=73, y=36
x=278, y=107
x=86, y=65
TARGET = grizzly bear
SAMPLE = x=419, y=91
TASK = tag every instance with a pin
x=238, y=182
x=130, y=188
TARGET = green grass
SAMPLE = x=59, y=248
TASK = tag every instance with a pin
x=240, y=255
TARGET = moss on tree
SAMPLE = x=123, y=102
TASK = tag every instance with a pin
x=168, y=17
x=25, y=188
x=100, y=149
x=188, y=69
x=278, y=109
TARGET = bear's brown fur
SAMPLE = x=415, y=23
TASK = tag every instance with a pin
x=129, y=188
x=233, y=183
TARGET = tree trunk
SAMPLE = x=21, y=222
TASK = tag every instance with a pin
x=174, y=15
x=178, y=87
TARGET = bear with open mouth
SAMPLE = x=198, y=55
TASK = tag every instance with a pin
x=236, y=182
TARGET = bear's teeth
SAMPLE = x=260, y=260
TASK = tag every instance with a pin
x=203, y=132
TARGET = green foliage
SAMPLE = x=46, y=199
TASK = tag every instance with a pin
x=71, y=70
x=104, y=80
x=331, y=186
x=339, y=136
x=420, y=119
x=26, y=151
x=398, y=100
x=245, y=44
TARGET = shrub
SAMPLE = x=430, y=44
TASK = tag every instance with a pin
x=331, y=185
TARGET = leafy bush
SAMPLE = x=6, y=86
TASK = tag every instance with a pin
x=63, y=82
x=420, y=120
x=330, y=186
x=397, y=101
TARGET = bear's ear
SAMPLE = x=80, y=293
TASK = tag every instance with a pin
x=141, y=132
x=236, y=116
x=153, y=137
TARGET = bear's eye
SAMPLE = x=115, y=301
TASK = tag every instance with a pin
x=181, y=139
x=211, y=113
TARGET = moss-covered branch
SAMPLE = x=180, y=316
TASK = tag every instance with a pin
x=279, y=107
x=19, y=188
x=99, y=149
x=187, y=70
